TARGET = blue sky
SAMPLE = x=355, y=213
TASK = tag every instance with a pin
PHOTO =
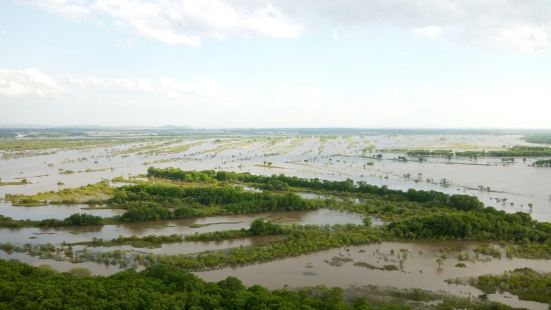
x=214, y=63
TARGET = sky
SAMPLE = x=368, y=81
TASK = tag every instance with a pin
x=277, y=64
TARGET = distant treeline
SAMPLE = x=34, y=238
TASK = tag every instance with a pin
x=515, y=151
x=542, y=139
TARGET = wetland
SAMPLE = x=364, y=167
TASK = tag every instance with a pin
x=437, y=214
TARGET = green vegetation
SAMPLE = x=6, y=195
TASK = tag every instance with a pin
x=461, y=202
x=20, y=182
x=541, y=139
x=301, y=240
x=264, y=226
x=158, y=287
x=146, y=202
x=435, y=153
x=259, y=227
x=414, y=214
x=515, y=151
x=73, y=220
x=151, y=241
x=525, y=283
x=220, y=235
x=8, y=222
x=88, y=193
x=542, y=163
x=488, y=224
x=530, y=250
x=298, y=240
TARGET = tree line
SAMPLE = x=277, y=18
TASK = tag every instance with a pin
x=460, y=202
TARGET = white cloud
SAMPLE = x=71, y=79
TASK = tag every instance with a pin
x=514, y=24
x=27, y=83
x=180, y=22
x=519, y=25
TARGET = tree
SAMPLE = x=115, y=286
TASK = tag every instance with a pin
x=263, y=226
x=439, y=261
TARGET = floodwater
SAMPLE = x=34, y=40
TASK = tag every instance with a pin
x=62, y=266
x=419, y=269
x=52, y=211
x=514, y=187
x=189, y=247
x=36, y=235
x=415, y=263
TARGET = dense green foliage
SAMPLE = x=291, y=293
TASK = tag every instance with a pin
x=264, y=226
x=158, y=287
x=149, y=202
x=231, y=197
x=146, y=212
x=461, y=202
x=525, y=283
x=76, y=219
x=8, y=222
x=489, y=224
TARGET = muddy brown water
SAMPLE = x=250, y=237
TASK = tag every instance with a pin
x=35, y=235
x=420, y=269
